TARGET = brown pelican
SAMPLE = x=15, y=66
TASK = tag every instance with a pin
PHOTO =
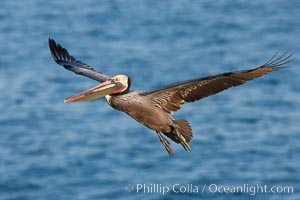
x=154, y=109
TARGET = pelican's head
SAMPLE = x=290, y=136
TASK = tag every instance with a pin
x=119, y=84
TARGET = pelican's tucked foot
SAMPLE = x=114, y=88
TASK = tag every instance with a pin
x=165, y=143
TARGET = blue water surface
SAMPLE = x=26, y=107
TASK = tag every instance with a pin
x=245, y=136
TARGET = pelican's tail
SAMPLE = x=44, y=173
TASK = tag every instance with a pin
x=185, y=129
x=181, y=133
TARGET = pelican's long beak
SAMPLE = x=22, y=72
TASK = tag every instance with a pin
x=96, y=92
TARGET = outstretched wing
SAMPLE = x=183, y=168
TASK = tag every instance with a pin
x=62, y=57
x=172, y=97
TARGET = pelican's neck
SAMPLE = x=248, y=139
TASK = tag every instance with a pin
x=108, y=99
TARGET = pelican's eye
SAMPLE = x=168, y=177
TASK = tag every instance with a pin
x=117, y=79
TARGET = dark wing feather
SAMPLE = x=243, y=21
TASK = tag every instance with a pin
x=62, y=57
x=172, y=97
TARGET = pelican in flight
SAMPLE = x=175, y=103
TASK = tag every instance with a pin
x=154, y=109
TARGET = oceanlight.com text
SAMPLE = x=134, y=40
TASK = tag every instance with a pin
x=208, y=188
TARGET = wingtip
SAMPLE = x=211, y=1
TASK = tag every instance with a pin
x=50, y=41
x=278, y=62
x=58, y=52
x=52, y=47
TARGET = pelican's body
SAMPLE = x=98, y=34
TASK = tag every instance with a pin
x=142, y=110
x=154, y=109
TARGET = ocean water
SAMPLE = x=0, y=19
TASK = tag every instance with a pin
x=247, y=136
